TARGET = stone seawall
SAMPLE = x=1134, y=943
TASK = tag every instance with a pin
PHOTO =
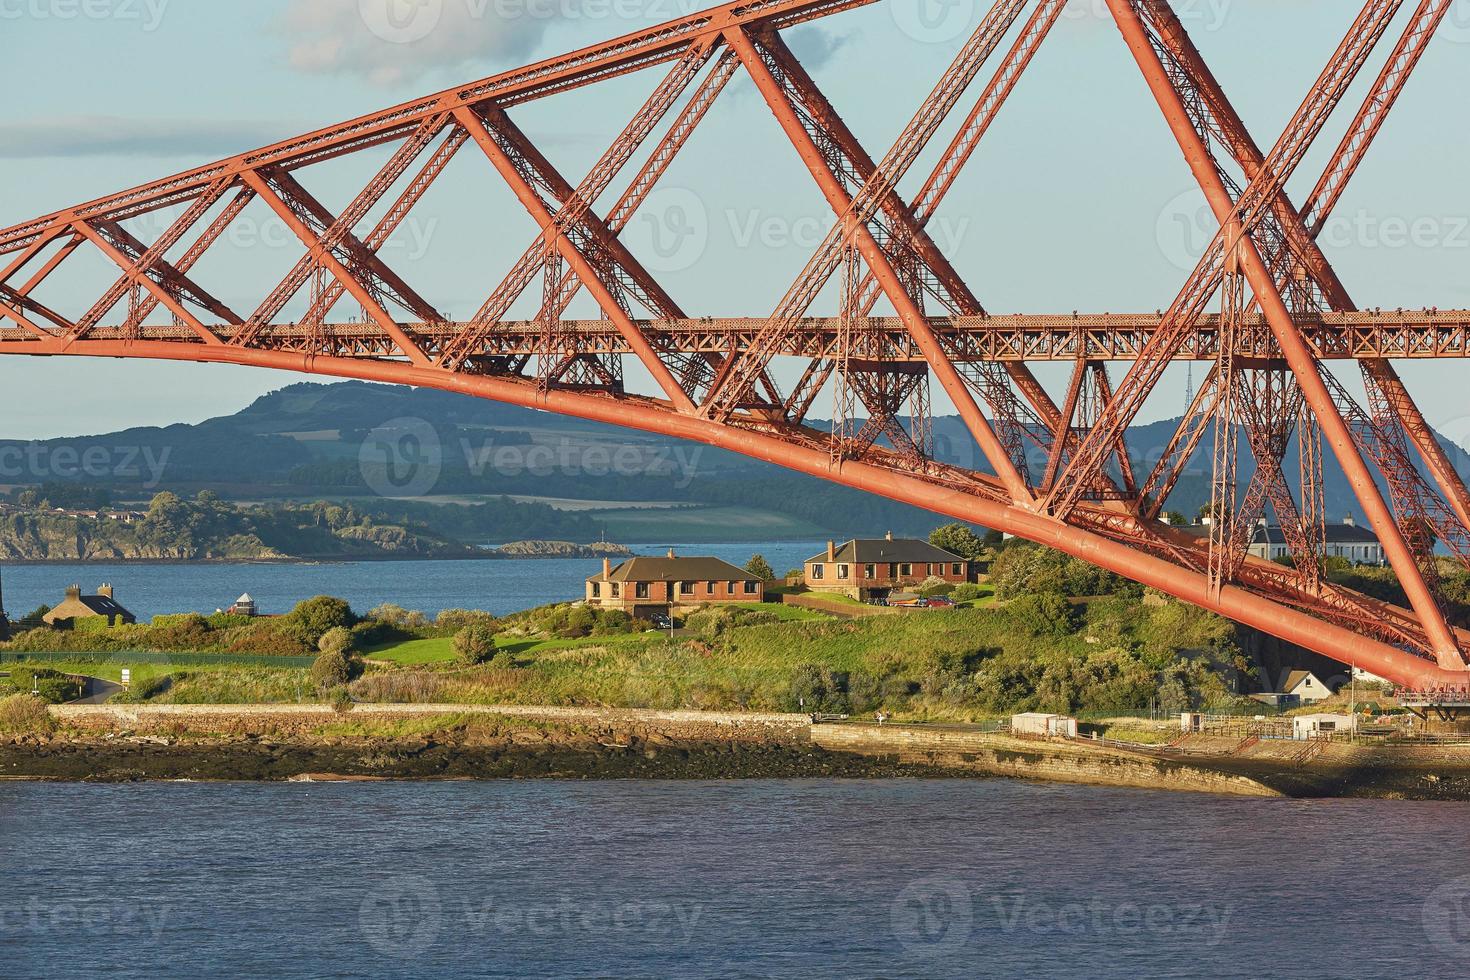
x=1056, y=761
x=709, y=726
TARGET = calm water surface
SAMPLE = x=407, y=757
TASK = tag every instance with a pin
x=430, y=586
x=738, y=879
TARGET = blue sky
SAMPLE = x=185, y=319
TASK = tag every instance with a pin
x=1078, y=199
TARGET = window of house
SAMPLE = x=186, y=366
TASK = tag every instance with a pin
x=709, y=588
x=596, y=590
x=905, y=570
x=870, y=571
x=957, y=569
x=617, y=590
x=686, y=588
x=641, y=590
x=816, y=571
x=843, y=571
x=750, y=588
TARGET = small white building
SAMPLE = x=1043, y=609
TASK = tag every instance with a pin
x=1044, y=725
x=1304, y=727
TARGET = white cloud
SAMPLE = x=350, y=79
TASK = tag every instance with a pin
x=87, y=136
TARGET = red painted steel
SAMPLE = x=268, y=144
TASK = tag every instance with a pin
x=1284, y=312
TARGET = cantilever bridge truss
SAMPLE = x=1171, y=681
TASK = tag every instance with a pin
x=1264, y=309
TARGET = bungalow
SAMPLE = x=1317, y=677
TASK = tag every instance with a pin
x=244, y=606
x=78, y=607
x=645, y=586
x=874, y=568
x=1312, y=726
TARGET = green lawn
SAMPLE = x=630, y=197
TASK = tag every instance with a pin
x=414, y=653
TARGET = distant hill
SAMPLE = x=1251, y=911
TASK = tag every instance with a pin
x=355, y=440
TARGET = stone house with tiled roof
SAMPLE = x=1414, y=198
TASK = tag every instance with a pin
x=872, y=568
x=77, y=606
x=645, y=586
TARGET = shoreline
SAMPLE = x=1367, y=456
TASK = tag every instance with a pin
x=121, y=743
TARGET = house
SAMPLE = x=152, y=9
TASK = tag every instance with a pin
x=1312, y=726
x=78, y=607
x=873, y=568
x=244, y=606
x=645, y=586
x=1280, y=702
x=1356, y=545
x=1307, y=686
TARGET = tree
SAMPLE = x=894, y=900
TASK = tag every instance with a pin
x=475, y=644
x=959, y=539
x=760, y=568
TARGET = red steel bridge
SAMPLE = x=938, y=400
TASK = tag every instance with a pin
x=1264, y=307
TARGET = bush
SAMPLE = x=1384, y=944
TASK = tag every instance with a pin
x=25, y=714
x=52, y=686
x=1044, y=614
x=396, y=615
x=965, y=592
x=338, y=639
x=313, y=617
x=341, y=701
x=331, y=670
x=458, y=619
x=475, y=644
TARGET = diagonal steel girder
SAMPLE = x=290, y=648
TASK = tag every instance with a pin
x=1369, y=27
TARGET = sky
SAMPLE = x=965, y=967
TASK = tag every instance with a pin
x=1078, y=199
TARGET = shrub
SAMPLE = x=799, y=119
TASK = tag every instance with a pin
x=330, y=670
x=475, y=644
x=396, y=615
x=52, y=686
x=313, y=617
x=338, y=639
x=25, y=714
x=458, y=619
x=965, y=592
x=1044, y=614
x=341, y=701
x=958, y=539
x=934, y=585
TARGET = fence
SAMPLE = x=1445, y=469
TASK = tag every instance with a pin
x=158, y=659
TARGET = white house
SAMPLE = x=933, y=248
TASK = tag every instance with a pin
x=1307, y=686
x=1304, y=727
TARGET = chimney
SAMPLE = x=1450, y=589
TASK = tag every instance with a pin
x=671, y=553
x=831, y=551
x=104, y=590
x=73, y=591
x=606, y=567
x=890, y=535
x=1348, y=520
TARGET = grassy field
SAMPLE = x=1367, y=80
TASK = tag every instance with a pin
x=703, y=524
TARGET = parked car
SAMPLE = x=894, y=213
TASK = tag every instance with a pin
x=940, y=602
x=662, y=623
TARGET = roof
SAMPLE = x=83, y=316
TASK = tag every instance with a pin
x=861, y=551
x=693, y=569
x=245, y=600
x=101, y=605
x=1296, y=677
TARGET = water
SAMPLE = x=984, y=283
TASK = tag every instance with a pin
x=429, y=586
x=744, y=879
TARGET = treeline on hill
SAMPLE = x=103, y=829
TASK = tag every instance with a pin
x=206, y=527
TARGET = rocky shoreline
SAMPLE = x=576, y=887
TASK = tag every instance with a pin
x=107, y=743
